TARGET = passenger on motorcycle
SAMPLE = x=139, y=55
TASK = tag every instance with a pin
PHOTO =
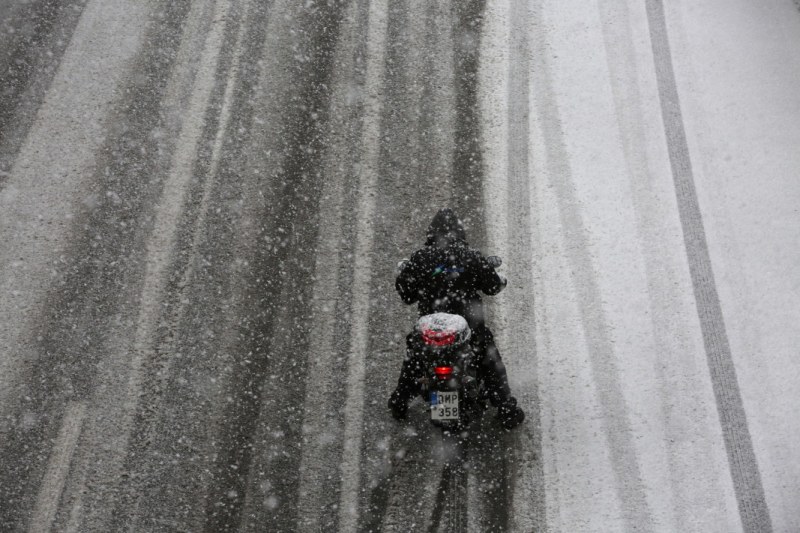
x=446, y=276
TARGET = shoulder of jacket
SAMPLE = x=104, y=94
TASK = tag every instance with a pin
x=474, y=254
x=421, y=255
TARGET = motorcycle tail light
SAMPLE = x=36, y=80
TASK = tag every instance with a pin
x=438, y=338
x=443, y=372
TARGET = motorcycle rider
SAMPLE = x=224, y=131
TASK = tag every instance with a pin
x=446, y=276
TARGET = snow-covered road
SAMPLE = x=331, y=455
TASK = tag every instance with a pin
x=201, y=207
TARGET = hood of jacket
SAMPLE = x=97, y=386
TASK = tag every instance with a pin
x=445, y=229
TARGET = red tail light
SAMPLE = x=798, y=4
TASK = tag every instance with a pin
x=438, y=338
x=443, y=372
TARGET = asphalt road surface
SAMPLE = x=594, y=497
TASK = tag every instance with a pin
x=201, y=208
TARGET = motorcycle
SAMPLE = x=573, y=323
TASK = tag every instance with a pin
x=449, y=382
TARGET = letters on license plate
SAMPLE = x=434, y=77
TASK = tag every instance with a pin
x=444, y=405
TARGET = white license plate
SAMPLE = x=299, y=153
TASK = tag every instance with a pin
x=444, y=405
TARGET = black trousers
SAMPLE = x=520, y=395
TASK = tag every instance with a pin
x=489, y=365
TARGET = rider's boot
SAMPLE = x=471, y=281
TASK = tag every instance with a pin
x=398, y=404
x=509, y=414
x=407, y=385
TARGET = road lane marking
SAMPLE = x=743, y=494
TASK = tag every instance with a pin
x=747, y=484
x=362, y=275
x=57, y=468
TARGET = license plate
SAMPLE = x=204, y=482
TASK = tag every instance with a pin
x=444, y=405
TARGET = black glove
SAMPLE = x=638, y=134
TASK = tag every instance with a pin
x=401, y=265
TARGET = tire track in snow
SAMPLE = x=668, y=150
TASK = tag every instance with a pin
x=469, y=176
x=507, y=477
x=254, y=479
x=629, y=486
x=509, y=198
x=168, y=213
x=322, y=432
x=171, y=205
x=176, y=304
x=365, y=214
x=416, y=174
x=498, y=455
x=118, y=388
x=694, y=481
x=407, y=490
x=468, y=168
x=450, y=511
x=53, y=163
x=747, y=483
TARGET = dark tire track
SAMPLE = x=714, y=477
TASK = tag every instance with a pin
x=333, y=295
x=468, y=168
x=450, y=509
x=492, y=466
x=410, y=196
x=511, y=454
x=406, y=456
x=285, y=269
x=753, y=508
x=470, y=180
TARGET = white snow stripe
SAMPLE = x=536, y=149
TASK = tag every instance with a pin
x=354, y=406
x=57, y=468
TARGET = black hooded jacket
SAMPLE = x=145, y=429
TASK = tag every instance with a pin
x=447, y=275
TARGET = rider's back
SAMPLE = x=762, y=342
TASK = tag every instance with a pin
x=447, y=275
